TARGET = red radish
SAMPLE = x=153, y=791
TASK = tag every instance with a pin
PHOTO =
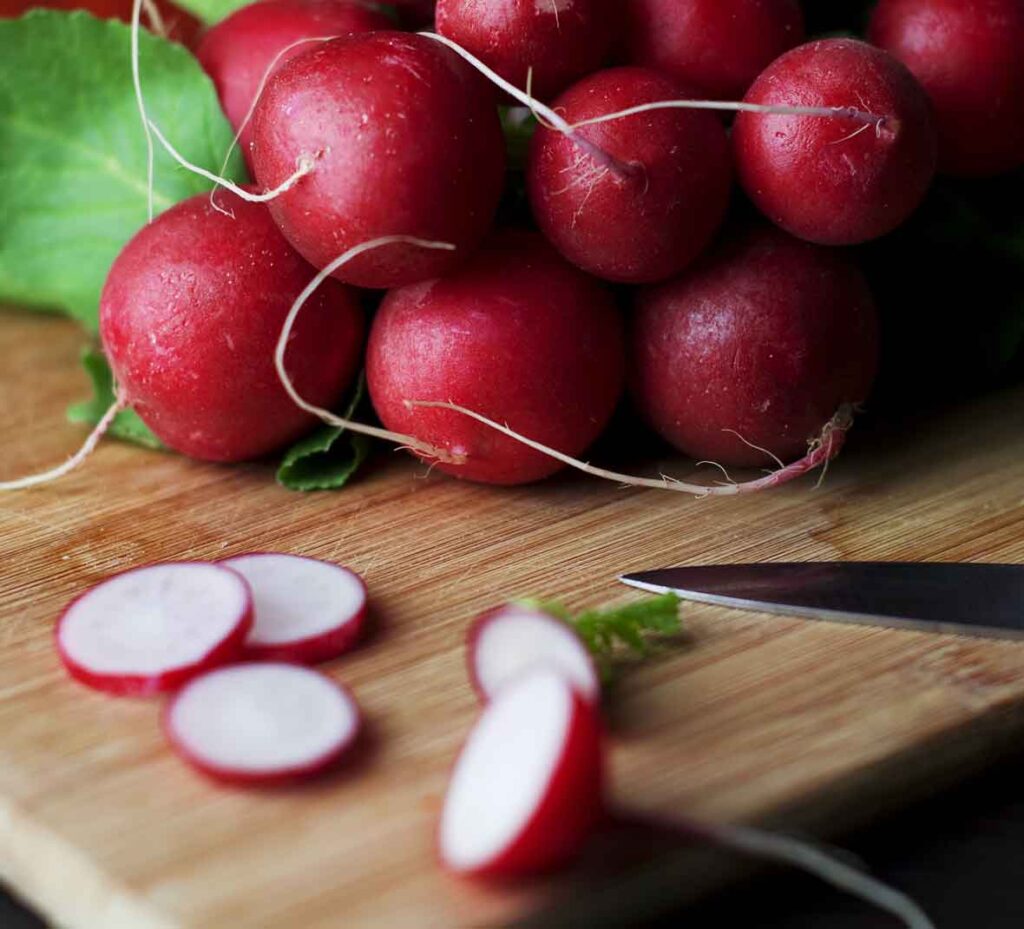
x=525, y=793
x=829, y=180
x=746, y=356
x=404, y=139
x=239, y=51
x=161, y=17
x=650, y=218
x=150, y=629
x=262, y=723
x=512, y=640
x=717, y=45
x=190, y=316
x=515, y=333
x=304, y=610
x=969, y=56
x=560, y=40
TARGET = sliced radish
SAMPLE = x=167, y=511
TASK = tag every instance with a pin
x=305, y=610
x=150, y=629
x=526, y=789
x=262, y=723
x=509, y=641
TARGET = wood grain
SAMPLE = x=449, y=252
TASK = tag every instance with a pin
x=755, y=718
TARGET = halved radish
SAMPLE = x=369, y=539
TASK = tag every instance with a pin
x=262, y=722
x=509, y=641
x=304, y=610
x=525, y=793
x=150, y=629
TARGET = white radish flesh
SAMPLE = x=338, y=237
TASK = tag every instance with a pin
x=149, y=629
x=526, y=789
x=304, y=610
x=506, y=643
x=264, y=722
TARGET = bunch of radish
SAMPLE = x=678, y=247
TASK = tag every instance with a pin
x=231, y=642
x=505, y=338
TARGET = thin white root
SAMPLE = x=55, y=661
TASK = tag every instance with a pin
x=421, y=448
x=822, y=449
x=140, y=101
x=88, y=446
x=773, y=846
x=305, y=165
x=156, y=21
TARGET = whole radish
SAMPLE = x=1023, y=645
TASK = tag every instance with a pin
x=750, y=353
x=559, y=41
x=516, y=334
x=719, y=46
x=969, y=56
x=403, y=138
x=238, y=51
x=189, y=318
x=829, y=179
x=653, y=210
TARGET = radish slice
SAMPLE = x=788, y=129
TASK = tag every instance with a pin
x=305, y=610
x=526, y=789
x=150, y=629
x=262, y=723
x=511, y=640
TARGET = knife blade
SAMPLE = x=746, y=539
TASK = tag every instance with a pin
x=953, y=598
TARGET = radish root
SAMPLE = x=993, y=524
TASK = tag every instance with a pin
x=407, y=441
x=88, y=446
x=821, y=450
x=141, y=103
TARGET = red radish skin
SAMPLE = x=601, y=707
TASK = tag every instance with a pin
x=561, y=40
x=762, y=341
x=969, y=57
x=174, y=22
x=405, y=140
x=719, y=46
x=238, y=51
x=649, y=221
x=129, y=611
x=832, y=180
x=517, y=334
x=305, y=611
x=526, y=791
x=510, y=641
x=190, y=316
x=262, y=724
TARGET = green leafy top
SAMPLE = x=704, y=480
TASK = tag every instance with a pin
x=73, y=153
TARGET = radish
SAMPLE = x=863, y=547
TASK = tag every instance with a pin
x=968, y=56
x=161, y=17
x=304, y=610
x=241, y=51
x=516, y=333
x=525, y=793
x=742, y=359
x=717, y=45
x=511, y=640
x=647, y=214
x=262, y=723
x=149, y=629
x=402, y=138
x=818, y=178
x=190, y=315
x=550, y=42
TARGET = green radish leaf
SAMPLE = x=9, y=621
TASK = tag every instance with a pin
x=327, y=457
x=126, y=424
x=212, y=11
x=73, y=185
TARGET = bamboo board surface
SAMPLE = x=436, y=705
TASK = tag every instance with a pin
x=752, y=718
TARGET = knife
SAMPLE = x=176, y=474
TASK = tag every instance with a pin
x=960, y=599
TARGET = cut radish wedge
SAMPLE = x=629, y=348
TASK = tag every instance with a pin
x=513, y=640
x=305, y=610
x=525, y=792
x=262, y=723
x=150, y=629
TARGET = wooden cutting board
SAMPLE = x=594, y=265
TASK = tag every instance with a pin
x=813, y=726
